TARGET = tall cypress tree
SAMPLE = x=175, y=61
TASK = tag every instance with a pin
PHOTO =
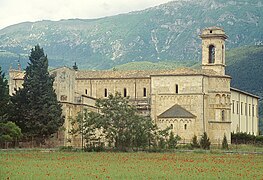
x=36, y=109
x=4, y=96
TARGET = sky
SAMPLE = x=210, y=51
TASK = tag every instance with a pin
x=16, y=11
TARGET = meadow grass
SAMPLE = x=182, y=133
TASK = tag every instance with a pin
x=111, y=165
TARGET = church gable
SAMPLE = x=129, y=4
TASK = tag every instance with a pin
x=176, y=111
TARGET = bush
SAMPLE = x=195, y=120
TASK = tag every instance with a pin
x=244, y=138
x=205, y=142
x=259, y=140
x=66, y=148
x=224, y=143
x=95, y=148
x=185, y=146
x=194, y=143
x=172, y=141
x=162, y=143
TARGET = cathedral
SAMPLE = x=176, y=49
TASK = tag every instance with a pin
x=190, y=101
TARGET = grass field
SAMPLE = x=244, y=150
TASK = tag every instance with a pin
x=78, y=165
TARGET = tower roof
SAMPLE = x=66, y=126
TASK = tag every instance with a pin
x=213, y=32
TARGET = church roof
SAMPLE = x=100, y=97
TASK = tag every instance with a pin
x=140, y=73
x=176, y=111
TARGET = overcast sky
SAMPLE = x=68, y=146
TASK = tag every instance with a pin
x=16, y=11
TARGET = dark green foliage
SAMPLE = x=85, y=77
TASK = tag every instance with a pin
x=172, y=141
x=121, y=123
x=194, y=143
x=205, y=142
x=35, y=108
x=224, y=143
x=66, y=148
x=245, y=138
x=85, y=124
x=9, y=131
x=162, y=143
x=4, y=96
x=95, y=148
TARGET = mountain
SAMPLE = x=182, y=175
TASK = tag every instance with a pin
x=168, y=32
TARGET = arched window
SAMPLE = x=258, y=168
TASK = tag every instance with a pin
x=172, y=126
x=185, y=126
x=211, y=54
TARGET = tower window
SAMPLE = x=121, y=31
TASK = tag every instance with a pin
x=176, y=89
x=185, y=126
x=172, y=126
x=105, y=92
x=125, y=92
x=211, y=54
x=144, y=92
x=86, y=91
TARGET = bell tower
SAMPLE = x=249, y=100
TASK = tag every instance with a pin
x=213, y=49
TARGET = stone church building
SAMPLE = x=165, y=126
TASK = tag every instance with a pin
x=191, y=101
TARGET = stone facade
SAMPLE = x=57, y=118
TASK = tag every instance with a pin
x=192, y=101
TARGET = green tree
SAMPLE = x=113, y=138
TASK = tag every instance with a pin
x=121, y=123
x=35, y=107
x=205, y=142
x=162, y=136
x=9, y=131
x=194, y=143
x=118, y=121
x=141, y=131
x=172, y=141
x=224, y=143
x=85, y=125
x=4, y=97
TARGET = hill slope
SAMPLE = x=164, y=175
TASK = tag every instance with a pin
x=166, y=32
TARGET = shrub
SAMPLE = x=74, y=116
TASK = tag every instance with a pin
x=224, y=143
x=205, y=142
x=66, y=148
x=161, y=143
x=194, y=143
x=244, y=138
x=95, y=148
x=172, y=141
x=259, y=140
